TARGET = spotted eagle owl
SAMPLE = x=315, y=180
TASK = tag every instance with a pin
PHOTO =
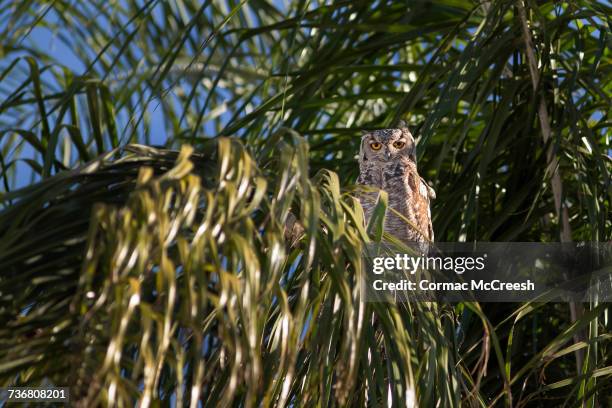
x=387, y=160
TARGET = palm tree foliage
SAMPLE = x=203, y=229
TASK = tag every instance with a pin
x=164, y=274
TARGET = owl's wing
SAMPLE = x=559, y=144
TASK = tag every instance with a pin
x=431, y=193
x=427, y=194
x=430, y=226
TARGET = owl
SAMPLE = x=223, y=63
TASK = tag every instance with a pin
x=387, y=160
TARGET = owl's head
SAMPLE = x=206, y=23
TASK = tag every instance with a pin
x=388, y=145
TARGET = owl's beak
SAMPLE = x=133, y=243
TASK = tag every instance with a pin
x=387, y=155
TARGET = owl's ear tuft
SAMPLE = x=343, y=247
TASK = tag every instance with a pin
x=402, y=124
x=362, y=155
x=412, y=151
x=413, y=154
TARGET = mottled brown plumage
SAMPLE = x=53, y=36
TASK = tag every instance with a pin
x=387, y=160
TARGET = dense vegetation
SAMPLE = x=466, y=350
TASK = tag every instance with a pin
x=152, y=154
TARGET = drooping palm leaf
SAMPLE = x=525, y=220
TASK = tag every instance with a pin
x=184, y=285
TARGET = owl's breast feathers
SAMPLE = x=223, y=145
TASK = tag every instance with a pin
x=370, y=175
x=409, y=195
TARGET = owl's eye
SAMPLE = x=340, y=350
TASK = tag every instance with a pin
x=375, y=145
x=398, y=144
